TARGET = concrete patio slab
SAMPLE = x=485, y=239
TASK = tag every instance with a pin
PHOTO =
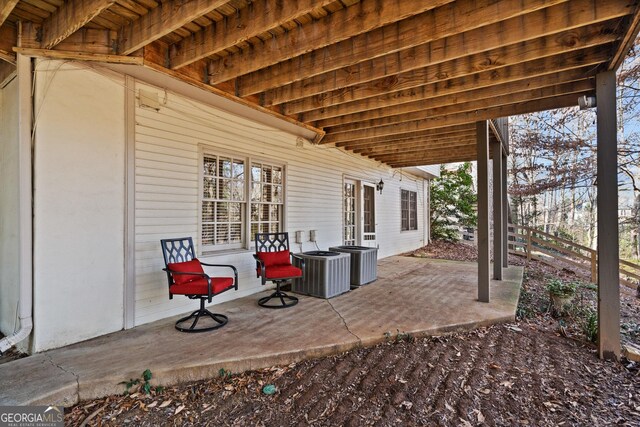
x=411, y=295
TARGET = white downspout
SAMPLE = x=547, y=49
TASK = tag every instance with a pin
x=25, y=207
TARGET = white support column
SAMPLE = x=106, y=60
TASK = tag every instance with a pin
x=496, y=148
x=130, y=205
x=608, y=250
x=505, y=214
x=482, y=136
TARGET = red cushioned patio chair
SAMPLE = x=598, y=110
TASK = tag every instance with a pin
x=273, y=260
x=187, y=277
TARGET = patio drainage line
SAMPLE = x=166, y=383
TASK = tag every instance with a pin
x=76, y=376
x=345, y=322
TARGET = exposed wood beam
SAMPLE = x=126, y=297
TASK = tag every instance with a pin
x=433, y=161
x=409, y=143
x=85, y=40
x=627, y=42
x=79, y=56
x=417, y=78
x=393, y=138
x=458, y=98
x=162, y=20
x=449, y=61
x=70, y=17
x=6, y=6
x=435, y=154
x=436, y=24
x=457, y=119
x=576, y=87
x=357, y=19
x=257, y=18
x=416, y=147
x=547, y=66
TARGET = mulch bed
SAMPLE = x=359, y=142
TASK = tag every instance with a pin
x=539, y=371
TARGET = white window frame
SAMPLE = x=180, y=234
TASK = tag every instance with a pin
x=248, y=239
x=409, y=229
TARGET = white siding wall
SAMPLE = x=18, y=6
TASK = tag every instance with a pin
x=78, y=205
x=9, y=220
x=167, y=192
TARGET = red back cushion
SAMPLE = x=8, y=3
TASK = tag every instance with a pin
x=192, y=266
x=274, y=258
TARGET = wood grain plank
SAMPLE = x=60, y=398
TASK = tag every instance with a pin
x=69, y=18
x=343, y=24
x=257, y=18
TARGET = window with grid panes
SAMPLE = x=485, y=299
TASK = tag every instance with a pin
x=409, y=210
x=223, y=202
x=267, y=198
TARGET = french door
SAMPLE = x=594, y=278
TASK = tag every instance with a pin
x=359, y=210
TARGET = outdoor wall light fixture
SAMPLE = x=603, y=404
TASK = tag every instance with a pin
x=380, y=186
x=586, y=102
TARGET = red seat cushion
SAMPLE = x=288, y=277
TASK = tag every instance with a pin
x=274, y=258
x=192, y=266
x=199, y=286
x=282, y=271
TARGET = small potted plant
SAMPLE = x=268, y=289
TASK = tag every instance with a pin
x=561, y=294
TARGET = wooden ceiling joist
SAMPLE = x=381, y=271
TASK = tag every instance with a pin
x=418, y=78
x=532, y=69
x=357, y=19
x=70, y=17
x=257, y=18
x=441, y=132
x=444, y=21
x=6, y=7
x=433, y=161
x=167, y=17
x=438, y=154
x=409, y=142
x=461, y=97
x=528, y=40
x=455, y=119
x=576, y=87
x=424, y=147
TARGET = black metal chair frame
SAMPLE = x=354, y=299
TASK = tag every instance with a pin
x=275, y=242
x=182, y=250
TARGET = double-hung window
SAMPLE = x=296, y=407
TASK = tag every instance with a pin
x=240, y=197
x=267, y=198
x=409, y=210
x=223, y=202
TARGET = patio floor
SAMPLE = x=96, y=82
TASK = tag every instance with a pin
x=411, y=295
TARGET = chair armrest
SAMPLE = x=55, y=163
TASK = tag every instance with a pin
x=235, y=271
x=299, y=258
x=195, y=273
x=260, y=265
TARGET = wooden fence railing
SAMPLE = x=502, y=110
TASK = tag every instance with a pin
x=554, y=250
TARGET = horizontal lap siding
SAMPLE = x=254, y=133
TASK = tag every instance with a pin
x=167, y=192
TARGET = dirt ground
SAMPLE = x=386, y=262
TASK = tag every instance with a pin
x=539, y=371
